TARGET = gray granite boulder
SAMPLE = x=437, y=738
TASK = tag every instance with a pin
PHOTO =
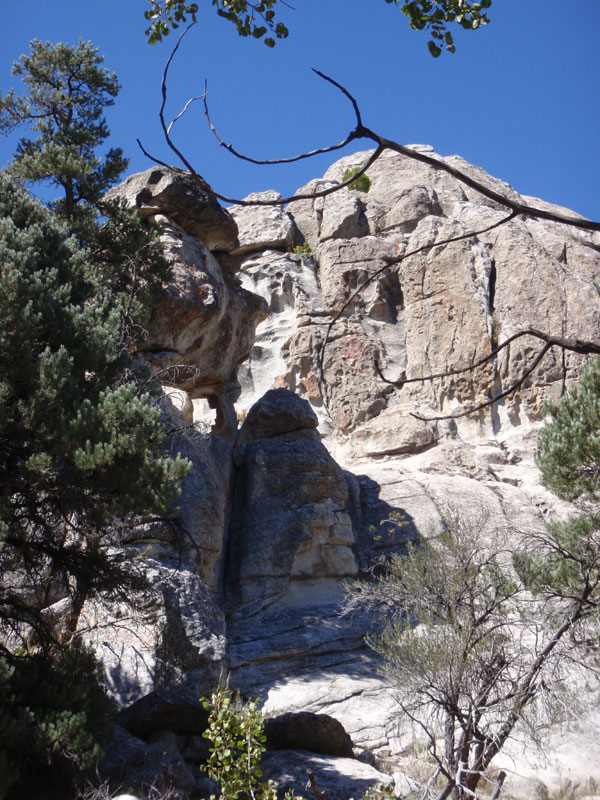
x=318, y=733
x=262, y=227
x=187, y=199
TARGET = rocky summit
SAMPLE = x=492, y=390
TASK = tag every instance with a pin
x=304, y=324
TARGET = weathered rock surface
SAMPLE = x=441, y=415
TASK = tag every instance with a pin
x=289, y=528
x=171, y=642
x=202, y=323
x=435, y=311
x=187, y=199
x=271, y=528
x=340, y=778
x=195, y=539
x=262, y=227
x=133, y=762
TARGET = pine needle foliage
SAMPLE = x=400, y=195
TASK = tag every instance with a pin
x=52, y=711
x=67, y=92
x=569, y=447
x=82, y=448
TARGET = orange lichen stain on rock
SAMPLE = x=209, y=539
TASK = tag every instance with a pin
x=311, y=386
x=351, y=349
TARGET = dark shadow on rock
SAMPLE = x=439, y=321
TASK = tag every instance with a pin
x=318, y=733
x=374, y=540
x=339, y=778
x=155, y=712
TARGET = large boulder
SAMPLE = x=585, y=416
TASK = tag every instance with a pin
x=187, y=199
x=289, y=522
x=262, y=227
x=318, y=733
x=278, y=412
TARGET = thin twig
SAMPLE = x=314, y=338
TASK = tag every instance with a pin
x=581, y=346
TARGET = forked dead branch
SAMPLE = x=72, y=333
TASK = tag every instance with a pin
x=382, y=144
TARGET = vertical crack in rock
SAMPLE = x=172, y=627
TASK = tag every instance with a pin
x=492, y=287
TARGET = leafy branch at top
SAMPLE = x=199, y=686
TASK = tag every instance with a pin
x=250, y=18
x=257, y=18
x=435, y=15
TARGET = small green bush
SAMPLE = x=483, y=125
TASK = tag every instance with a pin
x=237, y=733
x=361, y=184
x=303, y=250
x=52, y=711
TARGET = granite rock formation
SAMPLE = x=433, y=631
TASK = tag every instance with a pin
x=276, y=517
x=202, y=323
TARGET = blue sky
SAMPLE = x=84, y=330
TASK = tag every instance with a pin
x=519, y=98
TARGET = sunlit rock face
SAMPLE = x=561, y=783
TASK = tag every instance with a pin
x=275, y=519
x=435, y=311
x=202, y=322
x=186, y=199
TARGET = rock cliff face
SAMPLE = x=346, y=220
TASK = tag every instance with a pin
x=250, y=581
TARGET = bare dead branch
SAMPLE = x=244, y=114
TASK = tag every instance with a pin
x=151, y=157
x=383, y=144
x=362, y=132
x=161, y=113
x=574, y=345
x=290, y=160
x=518, y=208
x=344, y=91
x=308, y=196
x=580, y=346
x=511, y=389
x=314, y=788
x=185, y=108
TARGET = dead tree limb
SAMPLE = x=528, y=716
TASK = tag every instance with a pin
x=360, y=131
x=580, y=346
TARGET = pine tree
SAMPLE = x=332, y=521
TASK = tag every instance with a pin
x=569, y=447
x=68, y=91
x=82, y=449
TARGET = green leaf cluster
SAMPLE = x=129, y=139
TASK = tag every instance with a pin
x=256, y=19
x=360, y=184
x=236, y=730
x=435, y=15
